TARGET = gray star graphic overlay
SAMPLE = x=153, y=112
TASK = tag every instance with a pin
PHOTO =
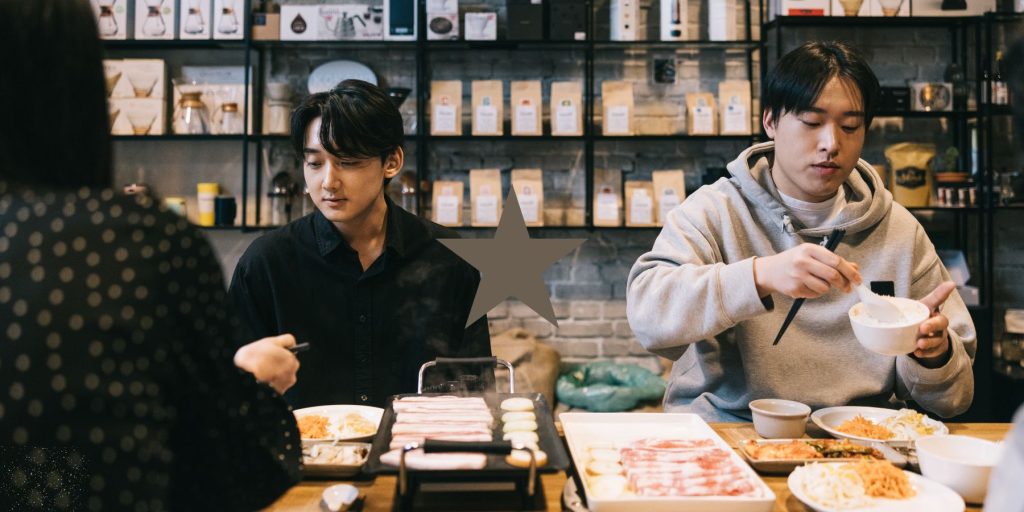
x=512, y=264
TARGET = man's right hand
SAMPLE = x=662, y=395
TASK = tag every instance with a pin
x=805, y=271
x=270, y=361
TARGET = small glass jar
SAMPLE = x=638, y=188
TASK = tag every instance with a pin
x=1009, y=351
x=191, y=117
x=230, y=122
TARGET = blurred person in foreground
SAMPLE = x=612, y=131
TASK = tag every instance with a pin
x=121, y=387
x=1005, y=493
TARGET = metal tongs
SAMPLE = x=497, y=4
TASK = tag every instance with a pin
x=830, y=242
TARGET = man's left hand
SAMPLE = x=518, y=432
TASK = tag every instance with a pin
x=933, y=344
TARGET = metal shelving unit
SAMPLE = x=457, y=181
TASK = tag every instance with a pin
x=1009, y=388
x=257, y=53
x=131, y=49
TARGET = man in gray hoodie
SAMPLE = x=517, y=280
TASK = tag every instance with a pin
x=715, y=288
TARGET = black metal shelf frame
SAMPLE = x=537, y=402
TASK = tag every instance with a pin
x=257, y=54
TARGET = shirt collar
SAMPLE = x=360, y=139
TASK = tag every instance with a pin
x=403, y=231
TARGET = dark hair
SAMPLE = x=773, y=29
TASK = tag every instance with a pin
x=357, y=120
x=54, y=131
x=797, y=80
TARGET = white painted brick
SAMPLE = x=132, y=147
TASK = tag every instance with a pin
x=519, y=310
x=636, y=349
x=581, y=329
x=583, y=291
x=585, y=310
x=540, y=328
x=575, y=348
x=500, y=326
x=586, y=273
x=615, y=309
x=622, y=330
x=561, y=309
x=613, y=348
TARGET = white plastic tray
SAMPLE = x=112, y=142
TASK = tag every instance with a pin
x=583, y=429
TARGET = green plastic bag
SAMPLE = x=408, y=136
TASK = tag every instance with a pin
x=608, y=387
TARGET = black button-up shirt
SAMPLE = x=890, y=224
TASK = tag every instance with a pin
x=369, y=331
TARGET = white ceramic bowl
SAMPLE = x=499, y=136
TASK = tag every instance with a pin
x=961, y=463
x=340, y=497
x=889, y=339
x=779, y=419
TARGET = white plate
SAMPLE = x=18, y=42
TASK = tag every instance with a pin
x=583, y=429
x=931, y=496
x=830, y=418
x=327, y=75
x=335, y=413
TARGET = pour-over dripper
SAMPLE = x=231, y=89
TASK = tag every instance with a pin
x=114, y=112
x=141, y=122
x=142, y=83
x=111, y=81
x=891, y=7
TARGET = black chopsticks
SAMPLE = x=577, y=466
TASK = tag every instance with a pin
x=301, y=347
x=830, y=243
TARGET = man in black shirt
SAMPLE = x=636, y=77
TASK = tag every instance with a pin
x=366, y=283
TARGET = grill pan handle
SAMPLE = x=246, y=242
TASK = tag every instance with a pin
x=492, y=447
x=468, y=360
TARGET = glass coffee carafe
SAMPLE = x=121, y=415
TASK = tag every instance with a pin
x=154, y=25
x=228, y=19
x=194, y=22
x=229, y=121
x=107, y=22
x=191, y=116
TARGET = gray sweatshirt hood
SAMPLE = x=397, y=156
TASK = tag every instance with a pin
x=867, y=199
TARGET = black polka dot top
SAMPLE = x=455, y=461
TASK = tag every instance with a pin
x=117, y=387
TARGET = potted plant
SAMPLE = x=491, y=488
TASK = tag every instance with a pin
x=949, y=173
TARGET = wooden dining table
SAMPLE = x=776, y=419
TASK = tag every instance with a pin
x=378, y=494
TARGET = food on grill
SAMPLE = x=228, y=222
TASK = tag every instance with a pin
x=517, y=404
x=521, y=458
x=443, y=418
x=520, y=426
x=416, y=459
x=521, y=437
x=518, y=416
